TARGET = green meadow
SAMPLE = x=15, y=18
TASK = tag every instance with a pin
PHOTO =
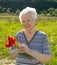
x=9, y=27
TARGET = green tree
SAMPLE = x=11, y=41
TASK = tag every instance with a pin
x=44, y=12
x=0, y=9
x=50, y=10
x=4, y=10
x=17, y=12
x=55, y=13
x=8, y=10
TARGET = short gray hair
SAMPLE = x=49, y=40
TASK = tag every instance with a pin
x=26, y=10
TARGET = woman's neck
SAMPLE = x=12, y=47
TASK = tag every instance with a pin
x=32, y=31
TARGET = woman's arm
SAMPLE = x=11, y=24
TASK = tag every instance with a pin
x=16, y=50
x=44, y=58
x=13, y=53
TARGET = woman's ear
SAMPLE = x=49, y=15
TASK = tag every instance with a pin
x=36, y=24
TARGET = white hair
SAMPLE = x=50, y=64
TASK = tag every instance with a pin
x=26, y=10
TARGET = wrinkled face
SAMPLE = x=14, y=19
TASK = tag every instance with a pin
x=28, y=22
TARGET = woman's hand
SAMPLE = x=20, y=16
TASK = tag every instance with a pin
x=23, y=48
x=13, y=53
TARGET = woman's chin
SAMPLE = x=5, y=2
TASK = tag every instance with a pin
x=28, y=29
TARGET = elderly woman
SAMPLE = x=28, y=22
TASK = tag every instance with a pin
x=34, y=48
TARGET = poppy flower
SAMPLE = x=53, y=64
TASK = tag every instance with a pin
x=11, y=42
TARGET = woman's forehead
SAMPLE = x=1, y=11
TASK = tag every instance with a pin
x=26, y=16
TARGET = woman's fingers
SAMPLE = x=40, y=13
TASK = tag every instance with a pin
x=22, y=48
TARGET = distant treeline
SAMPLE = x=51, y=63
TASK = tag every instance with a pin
x=13, y=5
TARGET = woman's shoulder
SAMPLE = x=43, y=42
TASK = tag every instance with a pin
x=19, y=32
x=41, y=34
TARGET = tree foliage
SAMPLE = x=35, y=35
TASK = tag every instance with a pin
x=40, y=5
x=23, y=3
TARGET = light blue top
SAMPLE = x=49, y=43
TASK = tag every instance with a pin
x=38, y=43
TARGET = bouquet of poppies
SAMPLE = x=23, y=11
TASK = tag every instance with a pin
x=12, y=42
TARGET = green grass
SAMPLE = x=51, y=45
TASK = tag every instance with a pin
x=10, y=27
x=51, y=30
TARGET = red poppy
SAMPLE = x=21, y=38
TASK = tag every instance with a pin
x=11, y=42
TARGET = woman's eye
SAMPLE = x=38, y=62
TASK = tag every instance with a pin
x=23, y=21
x=28, y=20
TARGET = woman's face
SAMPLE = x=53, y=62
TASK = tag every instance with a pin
x=28, y=22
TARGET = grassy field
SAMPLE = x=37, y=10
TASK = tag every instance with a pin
x=9, y=26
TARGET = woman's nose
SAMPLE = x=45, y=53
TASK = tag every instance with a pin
x=26, y=23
